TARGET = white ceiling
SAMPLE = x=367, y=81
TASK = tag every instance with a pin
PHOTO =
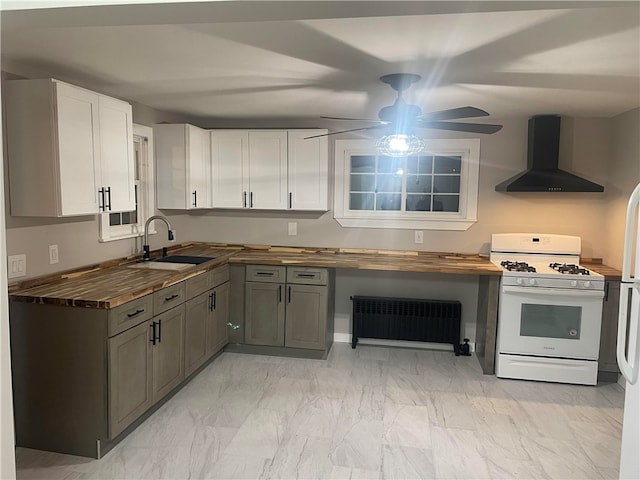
x=301, y=59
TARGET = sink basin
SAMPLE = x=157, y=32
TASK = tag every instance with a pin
x=192, y=260
x=176, y=267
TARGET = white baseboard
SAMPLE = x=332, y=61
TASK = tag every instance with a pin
x=346, y=338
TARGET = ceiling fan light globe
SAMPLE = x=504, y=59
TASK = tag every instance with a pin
x=399, y=145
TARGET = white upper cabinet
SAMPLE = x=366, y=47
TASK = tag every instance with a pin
x=55, y=145
x=308, y=178
x=229, y=168
x=117, y=164
x=269, y=169
x=183, y=166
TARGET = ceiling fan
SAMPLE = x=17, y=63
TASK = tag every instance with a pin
x=398, y=121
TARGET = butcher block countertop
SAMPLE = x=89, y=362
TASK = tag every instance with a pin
x=110, y=284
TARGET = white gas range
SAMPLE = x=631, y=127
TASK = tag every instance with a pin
x=550, y=310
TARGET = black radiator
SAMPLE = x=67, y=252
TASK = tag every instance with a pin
x=406, y=319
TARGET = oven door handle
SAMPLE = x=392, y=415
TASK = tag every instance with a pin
x=554, y=292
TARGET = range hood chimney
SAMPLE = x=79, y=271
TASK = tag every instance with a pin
x=542, y=173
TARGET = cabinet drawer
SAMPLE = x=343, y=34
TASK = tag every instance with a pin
x=219, y=276
x=307, y=276
x=168, y=298
x=266, y=273
x=130, y=314
x=197, y=285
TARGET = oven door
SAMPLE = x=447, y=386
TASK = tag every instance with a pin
x=551, y=322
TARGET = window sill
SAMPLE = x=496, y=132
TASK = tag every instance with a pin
x=124, y=236
x=406, y=224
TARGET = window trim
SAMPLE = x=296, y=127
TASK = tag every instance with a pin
x=146, y=191
x=468, y=149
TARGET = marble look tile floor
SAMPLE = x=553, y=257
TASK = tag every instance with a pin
x=369, y=413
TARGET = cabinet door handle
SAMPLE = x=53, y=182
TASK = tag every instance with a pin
x=251, y=199
x=265, y=274
x=244, y=199
x=279, y=293
x=137, y=312
x=159, y=331
x=214, y=300
x=153, y=333
x=108, y=190
x=290, y=200
x=211, y=302
x=289, y=293
x=171, y=297
x=195, y=198
x=101, y=206
x=606, y=292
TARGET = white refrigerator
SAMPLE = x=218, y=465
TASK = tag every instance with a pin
x=628, y=351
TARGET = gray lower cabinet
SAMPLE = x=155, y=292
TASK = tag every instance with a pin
x=607, y=361
x=83, y=375
x=207, y=315
x=288, y=307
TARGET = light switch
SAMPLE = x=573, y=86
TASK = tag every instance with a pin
x=53, y=254
x=292, y=228
x=418, y=236
x=17, y=265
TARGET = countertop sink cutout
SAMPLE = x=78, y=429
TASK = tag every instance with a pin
x=190, y=259
x=176, y=267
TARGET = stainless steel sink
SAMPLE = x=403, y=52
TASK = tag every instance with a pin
x=190, y=259
x=172, y=262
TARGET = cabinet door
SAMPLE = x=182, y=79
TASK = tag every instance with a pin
x=130, y=367
x=197, y=160
x=78, y=152
x=195, y=336
x=268, y=169
x=217, y=330
x=607, y=361
x=168, y=352
x=308, y=170
x=117, y=164
x=264, y=313
x=229, y=168
x=306, y=316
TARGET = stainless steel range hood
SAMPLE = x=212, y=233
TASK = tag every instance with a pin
x=542, y=173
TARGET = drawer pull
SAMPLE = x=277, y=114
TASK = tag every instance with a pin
x=265, y=274
x=171, y=297
x=137, y=312
x=306, y=275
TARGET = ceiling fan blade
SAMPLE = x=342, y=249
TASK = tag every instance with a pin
x=345, y=131
x=461, y=127
x=450, y=114
x=354, y=119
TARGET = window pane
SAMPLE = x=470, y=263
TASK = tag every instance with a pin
x=419, y=183
x=446, y=184
x=447, y=164
x=115, y=219
x=418, y=203
x=386, y=201
x=388, y=183
x=446, y=203
x=419, y=164
x=389, y=164
x=361, y=201
x=362, y=183
x=363, y=164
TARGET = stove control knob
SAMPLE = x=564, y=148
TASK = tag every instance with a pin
x=532, y=281
x=574, y=283
x=587, y=284
x=520, y=281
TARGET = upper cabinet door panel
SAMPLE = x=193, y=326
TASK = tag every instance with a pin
x=78, y=140
x=308, y=170
x=117, y=164
x=268, y=169
x=198, y=167
x=229, y=164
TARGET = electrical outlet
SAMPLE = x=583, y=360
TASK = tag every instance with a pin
x=418, y=236
x=17, y=265
x=292, y=228
x=53, y=254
